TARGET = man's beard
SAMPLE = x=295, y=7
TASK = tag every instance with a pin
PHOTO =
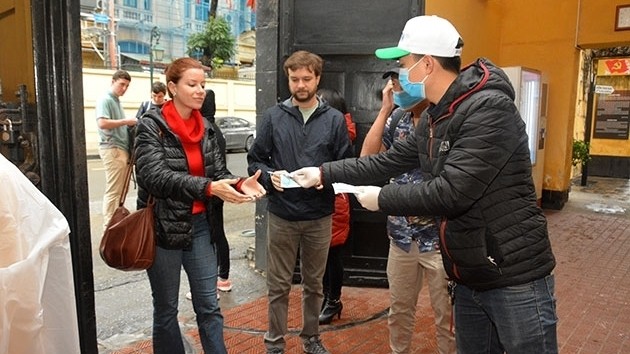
x=309, y=96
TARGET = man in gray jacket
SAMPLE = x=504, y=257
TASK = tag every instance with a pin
x=472, y=146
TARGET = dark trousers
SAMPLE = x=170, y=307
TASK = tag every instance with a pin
x=333, y=277
x=223, y=248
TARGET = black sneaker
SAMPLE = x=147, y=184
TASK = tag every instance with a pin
x=314, y=346
x=275, y=351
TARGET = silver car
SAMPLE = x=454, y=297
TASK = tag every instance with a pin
x=239, y=133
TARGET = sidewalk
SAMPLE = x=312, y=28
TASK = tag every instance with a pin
x=591, y=241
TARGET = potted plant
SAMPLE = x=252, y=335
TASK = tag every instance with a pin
x=581, y=153
x=580, y=157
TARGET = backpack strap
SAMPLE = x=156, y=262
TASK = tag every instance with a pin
x=397, y=115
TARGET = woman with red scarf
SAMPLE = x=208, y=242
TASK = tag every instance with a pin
x=179, y=163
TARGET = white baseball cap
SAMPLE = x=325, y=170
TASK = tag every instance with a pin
x=430, y=35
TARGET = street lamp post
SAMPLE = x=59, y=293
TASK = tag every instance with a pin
x=154, y=50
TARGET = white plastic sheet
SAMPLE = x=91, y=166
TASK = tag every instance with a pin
x=38, y=313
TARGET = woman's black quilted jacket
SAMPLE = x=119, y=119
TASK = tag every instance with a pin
x=474, y=150
x=162, y=171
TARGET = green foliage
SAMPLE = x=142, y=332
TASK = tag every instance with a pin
x=581, y=153
x=216, y=43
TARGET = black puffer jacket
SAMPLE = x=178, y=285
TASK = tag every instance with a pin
x=285, y=142
x=473, y=147
x=162, y=170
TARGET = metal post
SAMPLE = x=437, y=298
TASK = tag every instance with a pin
x=155, y=33
x=588, y=123
x=61, y=141
x=151, y=60
x=111, y=46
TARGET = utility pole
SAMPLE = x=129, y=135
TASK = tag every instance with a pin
x=154, y=50
x=112, y=48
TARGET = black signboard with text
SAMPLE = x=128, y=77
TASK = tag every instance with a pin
x=612, y=116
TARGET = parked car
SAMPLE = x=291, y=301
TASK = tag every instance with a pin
x=239, y=132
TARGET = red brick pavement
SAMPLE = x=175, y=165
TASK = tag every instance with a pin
x=592, y=288
x=592, y=281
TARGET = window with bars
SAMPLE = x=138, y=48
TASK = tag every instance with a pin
x=202, y=7
x=131, y=3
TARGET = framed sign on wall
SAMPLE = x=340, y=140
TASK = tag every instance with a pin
x=622, y=18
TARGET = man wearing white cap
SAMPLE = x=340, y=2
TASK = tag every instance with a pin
x=414, y=249
x=472, y=145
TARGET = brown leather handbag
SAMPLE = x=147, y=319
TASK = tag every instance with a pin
x=128, y=242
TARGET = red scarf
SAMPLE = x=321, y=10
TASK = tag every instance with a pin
x=190, y=132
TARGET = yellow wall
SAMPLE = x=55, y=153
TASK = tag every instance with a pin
x=547, y=36
x=596, y=24
x=16, y=68
x=518, y=33
x=478, y=22
x=540, y=34
x=596, y=30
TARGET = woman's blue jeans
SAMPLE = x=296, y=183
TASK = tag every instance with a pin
x=518, y=319
x=200, y=265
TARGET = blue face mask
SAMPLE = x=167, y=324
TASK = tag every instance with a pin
x=404, y=100
x=415, y=90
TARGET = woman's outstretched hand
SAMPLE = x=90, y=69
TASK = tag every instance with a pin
x=224, y=189
x=252, y=188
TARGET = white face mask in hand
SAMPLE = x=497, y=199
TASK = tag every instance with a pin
x=307, y=177
x=368, y=197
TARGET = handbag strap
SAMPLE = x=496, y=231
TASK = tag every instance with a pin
x=129, y=172
x=123, y=195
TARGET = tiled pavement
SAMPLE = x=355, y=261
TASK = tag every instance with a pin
x=592, y=290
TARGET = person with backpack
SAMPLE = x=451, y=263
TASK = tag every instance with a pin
x=158, y=97
x=414, y=250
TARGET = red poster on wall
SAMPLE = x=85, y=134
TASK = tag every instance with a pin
x=617, y=66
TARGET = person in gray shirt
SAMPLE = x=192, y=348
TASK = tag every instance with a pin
x=114, y=142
